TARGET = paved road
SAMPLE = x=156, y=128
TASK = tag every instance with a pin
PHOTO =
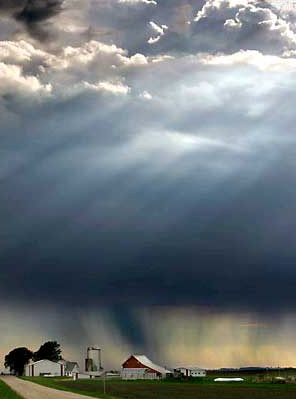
x=30, y=390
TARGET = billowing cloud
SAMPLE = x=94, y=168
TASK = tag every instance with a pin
x=12, y=80
x=94, y=66
x=252, y=57
x=226, y=26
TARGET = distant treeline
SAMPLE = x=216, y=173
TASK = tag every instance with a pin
x=253, y=371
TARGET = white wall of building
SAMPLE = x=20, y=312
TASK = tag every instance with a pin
x=70, y=373
x=138, y=374
x=44, y=367
x=197, y=373
x=192, y=371
x=81, y=376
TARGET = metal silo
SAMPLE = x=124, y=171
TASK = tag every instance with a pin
x=93, y=361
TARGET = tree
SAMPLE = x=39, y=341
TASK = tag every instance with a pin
x=50, y=351
x=17, y=359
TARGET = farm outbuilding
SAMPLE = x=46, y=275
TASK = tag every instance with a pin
x=81, y=376
x=45, y=367
x=87, y=374
x=140, y=367
x=191, y=371
x=70, y=367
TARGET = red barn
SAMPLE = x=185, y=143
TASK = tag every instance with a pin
x=140, y=367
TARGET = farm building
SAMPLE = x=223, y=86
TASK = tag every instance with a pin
x=70, y=367
x=45, y=367
x=191, y=371
x=87, y=374
x=93, y=361
x=140, y=367
x=81, y=376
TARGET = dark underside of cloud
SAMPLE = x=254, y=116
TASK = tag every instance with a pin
x=162, y=244
x=34, y=14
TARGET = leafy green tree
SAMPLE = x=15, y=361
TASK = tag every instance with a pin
x=17, y=359
x=50, y=351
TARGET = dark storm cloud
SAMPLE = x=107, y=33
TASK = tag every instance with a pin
x=34, y=14
x=160, y=244
x=182, y=197
x=94, y=220
x=222, y=268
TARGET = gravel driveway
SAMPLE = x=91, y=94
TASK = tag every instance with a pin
x=30, y=390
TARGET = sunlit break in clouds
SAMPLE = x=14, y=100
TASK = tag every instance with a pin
x=147, y=179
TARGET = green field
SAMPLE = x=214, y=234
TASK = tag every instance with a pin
x=254, y=374
x=201, y=389
x=7, y=393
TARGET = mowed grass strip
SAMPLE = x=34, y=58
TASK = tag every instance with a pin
x=171, y=390
x=7, y=393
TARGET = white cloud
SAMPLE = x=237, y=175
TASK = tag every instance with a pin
x=219, y=8
x=137, y=59
x=83, y=88
x=230, y=26
x=160, y=29
x=114, y=88
x=19, y=52
x=254, y=58
x=13, y=82
x=265, y=18
x=153, y=40
x=92, y=67
x=146, y=95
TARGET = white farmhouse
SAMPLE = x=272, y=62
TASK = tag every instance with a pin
x=45, y=368
x=70, y=367
x=191, y=371
x=140, y=367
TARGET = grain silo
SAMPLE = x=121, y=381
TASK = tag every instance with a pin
x=93, y=361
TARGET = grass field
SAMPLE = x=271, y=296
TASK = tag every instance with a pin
x=7, y=393
x=251, y=374
x=205, y=389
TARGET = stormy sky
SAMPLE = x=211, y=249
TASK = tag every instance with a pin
x=147, y=178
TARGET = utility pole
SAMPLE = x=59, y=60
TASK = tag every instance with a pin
x=104, y=382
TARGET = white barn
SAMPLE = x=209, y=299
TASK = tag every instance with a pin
x=44, y=368
x=191, y=371
x=140, y=367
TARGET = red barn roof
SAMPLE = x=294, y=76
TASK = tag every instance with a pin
x=142, y=361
